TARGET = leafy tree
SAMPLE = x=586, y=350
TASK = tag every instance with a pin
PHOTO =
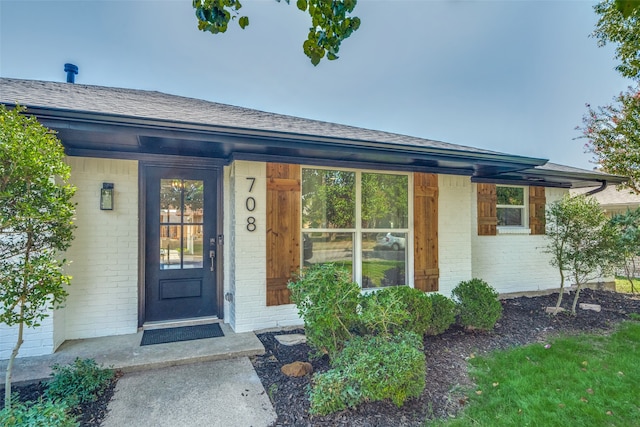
x=331, y=22
x=627, y=7
x=613, y=132
x=619, y=24
x=173, y=193
x=36, y=224
x=580, y=240
x=384, y=200
x=328, y=198
x=628, y=225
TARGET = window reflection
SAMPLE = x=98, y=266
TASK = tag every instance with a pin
x=181, y=224
x=385, y=200
x=322, y=248
x=384, y=259
x=328, y=198
x=170, y=246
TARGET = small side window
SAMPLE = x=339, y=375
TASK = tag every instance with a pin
x=511, y=207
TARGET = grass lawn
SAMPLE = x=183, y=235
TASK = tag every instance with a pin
x=375, y=270
x=587, y=380
x=623, y=285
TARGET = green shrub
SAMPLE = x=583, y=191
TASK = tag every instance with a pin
x=419, y=308
x=478, y=304
x=36, y=414
x=370, y=369
x=327, y=300
x=332, y=392
x=382, y=368
x=393, y=310
x=382, y=313
x=81, y=382
x=443, y=314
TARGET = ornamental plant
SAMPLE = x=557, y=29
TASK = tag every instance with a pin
x=43, y=412
x=393, y=310
x=36, y=224
x=371, y=368
x=628, y=242
x=478, y=304
x=418, y=306
x=83, y=381
x=581, y=241
x=443, y=314
x=327, y=300
x=382, y=313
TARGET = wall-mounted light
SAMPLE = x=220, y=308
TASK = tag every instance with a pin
x=106, y=196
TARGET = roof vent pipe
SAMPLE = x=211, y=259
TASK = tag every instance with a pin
x=71, y=71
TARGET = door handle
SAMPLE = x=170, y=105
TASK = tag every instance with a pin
x=212, y=257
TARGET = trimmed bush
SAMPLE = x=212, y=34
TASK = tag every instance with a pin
x=83, y=381
x=382, y=313
x=443, y=314
x=478, y=304
x=327, y=300
x=370, y=369
x=393, y=310
x=332, y=392
x=40, y=413
x=419, y=309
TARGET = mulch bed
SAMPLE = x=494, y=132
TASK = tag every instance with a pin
x=524, y=321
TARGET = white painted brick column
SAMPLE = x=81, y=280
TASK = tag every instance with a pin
x=454, y=232
x=247, y=264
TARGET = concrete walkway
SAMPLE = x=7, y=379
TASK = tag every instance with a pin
x=207, y=382
x=222, y=393
x=125, y=353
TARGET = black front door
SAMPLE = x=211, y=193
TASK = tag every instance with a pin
x=180, y=248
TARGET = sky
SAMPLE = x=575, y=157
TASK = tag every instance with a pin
x=510, y=76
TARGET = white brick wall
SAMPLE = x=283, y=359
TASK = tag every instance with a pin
x=513, y=263
x=454, y=232
x=59, y=317
x=510, y=263
x=37, y=341
x=103, y=296
x=247, y=258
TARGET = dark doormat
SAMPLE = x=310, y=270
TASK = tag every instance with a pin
x=185, y=333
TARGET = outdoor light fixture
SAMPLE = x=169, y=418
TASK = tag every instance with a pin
x=106, y=196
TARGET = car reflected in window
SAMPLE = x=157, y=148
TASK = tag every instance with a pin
x=390, y=241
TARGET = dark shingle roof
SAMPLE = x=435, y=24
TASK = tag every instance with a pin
x=169, y=124
x=162, y=106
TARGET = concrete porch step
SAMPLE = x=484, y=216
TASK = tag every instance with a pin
x=124, y=352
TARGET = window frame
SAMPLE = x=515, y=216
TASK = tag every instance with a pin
x=524, y=227
x=357, y=231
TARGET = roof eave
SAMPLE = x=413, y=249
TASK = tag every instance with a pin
x=73, y=118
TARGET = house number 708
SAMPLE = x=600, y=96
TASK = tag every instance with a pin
x=250, y=204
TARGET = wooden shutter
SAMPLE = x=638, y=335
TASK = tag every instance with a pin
x=537, y=201
x=283, y=229
x=487, y=210
x=425, y=231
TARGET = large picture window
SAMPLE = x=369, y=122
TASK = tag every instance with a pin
x=358, y=220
